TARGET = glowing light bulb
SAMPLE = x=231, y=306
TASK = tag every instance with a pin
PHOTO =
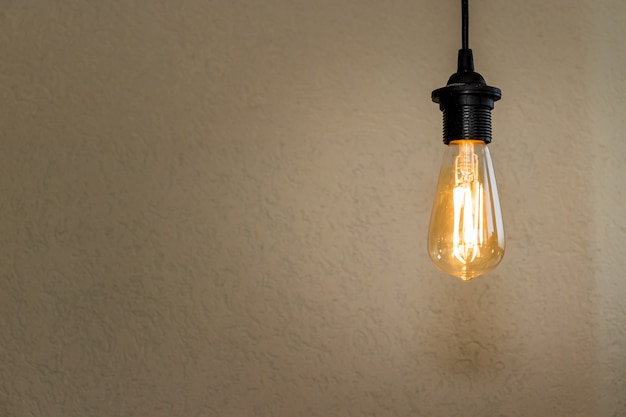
x=466, y=233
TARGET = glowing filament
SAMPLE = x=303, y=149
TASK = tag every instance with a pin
x=468, y=206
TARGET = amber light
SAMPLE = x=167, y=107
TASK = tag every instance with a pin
x=466, y=233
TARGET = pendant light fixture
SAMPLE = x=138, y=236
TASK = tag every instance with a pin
x=466, y=232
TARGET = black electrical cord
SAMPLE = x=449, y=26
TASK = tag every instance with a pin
x=465, y=23
x=466, y=59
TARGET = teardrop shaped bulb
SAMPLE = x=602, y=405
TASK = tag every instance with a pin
x=466, y=233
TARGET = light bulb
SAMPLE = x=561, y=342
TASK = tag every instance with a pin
x=466, y=233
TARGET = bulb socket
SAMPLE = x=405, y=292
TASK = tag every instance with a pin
x=466, y=122
x=466, y=102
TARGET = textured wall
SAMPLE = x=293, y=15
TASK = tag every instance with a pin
x=219, y=209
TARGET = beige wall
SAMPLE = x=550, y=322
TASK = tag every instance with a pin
x=219, y=209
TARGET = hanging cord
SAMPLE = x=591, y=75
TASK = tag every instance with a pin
x=466, y=60
x=465, y=23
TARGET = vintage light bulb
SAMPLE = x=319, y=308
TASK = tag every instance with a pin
x=466, y=233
